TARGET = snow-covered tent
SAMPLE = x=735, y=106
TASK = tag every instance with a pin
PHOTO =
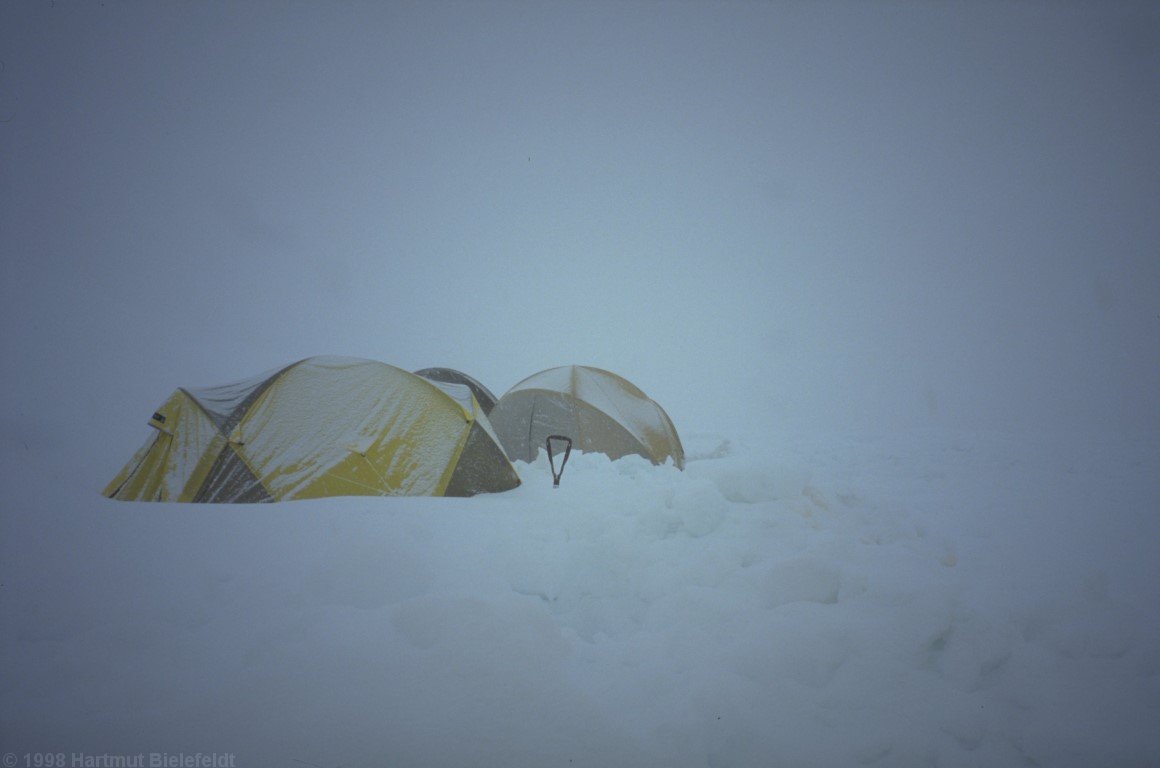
x=482, y=394
x=324, y=426
x=599, y=410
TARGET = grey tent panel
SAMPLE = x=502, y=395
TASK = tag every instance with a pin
x=481, y=465
x=230, y=481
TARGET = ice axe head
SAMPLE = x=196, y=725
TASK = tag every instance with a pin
x=567, y=441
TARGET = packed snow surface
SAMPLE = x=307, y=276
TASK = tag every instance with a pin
x=797, y=600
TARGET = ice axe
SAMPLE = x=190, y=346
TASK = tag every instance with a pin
x=552, y=459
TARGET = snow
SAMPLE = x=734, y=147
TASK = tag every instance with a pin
x=220, y=401
x=798, y=600
x=630, y=407
x=558, y=379
x=460, y=393
x=890, y=269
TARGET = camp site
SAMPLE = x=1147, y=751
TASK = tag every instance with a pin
x=574, y=384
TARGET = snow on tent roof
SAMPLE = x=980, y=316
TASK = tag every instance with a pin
x=451, y=376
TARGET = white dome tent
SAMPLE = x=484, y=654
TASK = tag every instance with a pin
x=600, y=411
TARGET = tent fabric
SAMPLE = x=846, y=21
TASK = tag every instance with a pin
x=324, y=426
x=451, y=376
x=599, y=410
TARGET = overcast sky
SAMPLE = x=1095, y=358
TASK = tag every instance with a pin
x=810, y=214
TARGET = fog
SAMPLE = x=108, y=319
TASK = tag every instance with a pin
x=892, y=269
x=851, y=216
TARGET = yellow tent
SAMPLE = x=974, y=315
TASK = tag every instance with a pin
x=324, y=426
x=599, y=410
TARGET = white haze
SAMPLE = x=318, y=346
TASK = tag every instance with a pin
x=867, y=215
x=933, y=226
